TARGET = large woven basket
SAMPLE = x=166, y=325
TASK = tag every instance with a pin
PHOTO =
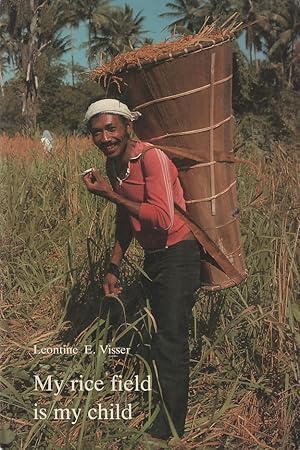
x=184, y=96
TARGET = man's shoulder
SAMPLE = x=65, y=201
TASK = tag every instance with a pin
x=151, y=151
x=155, y=155
x=142, y=148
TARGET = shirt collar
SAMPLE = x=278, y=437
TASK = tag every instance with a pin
x=137, y=151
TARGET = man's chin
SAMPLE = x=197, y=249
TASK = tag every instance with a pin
x=112, y=155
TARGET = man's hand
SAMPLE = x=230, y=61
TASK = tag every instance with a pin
x=96, y=184
x=110, y=285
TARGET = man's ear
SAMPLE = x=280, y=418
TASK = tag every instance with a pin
x=129, y=127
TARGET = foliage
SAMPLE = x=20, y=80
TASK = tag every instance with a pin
x=192, y=14
x=259, y=87
x=265, y=110
x=280, y=29
x=55, y=242
x=11, y=120
x=33, y=42
x=94, y=12
x=119, y=32
x=32, y=29
x=186, y=14
x=61, y=106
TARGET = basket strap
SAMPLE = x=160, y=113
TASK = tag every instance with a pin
x=203, y=238
x=208, y=244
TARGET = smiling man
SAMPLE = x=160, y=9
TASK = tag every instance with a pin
x=145, y=186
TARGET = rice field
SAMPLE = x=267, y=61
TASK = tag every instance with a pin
x=55, y=243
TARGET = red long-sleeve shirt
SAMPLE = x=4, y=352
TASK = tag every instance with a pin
x=152, y=180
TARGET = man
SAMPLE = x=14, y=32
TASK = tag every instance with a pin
x=145, y=186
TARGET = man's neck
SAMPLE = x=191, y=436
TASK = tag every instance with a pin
x=121, y=163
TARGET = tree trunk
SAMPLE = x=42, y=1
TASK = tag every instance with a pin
x=29, y=52
x=29, y=111
x=1, y=82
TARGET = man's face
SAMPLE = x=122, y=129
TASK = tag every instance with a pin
x=110, y=134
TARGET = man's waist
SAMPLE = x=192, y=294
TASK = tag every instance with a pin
x=188, y=237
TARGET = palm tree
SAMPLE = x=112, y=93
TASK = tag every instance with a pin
x=186, y=16
x=52, y=24
x=93, y=12
x=192, y=14
x=250, y=14
x=22, y=29
x=32, y=30
x=120, y=32
x=280, y=28
x=6, y=53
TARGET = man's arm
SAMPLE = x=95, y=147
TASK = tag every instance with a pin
x=123, y=237
x=96, y=184
x=158, y=208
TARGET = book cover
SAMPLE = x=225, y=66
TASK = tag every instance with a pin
x=74, y=370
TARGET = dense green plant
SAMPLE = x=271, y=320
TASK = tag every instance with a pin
x=55, y=242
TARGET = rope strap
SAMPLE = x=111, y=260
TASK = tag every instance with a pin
x=209, y=245
x=181, y=94
x=213, y=197
x=198, y=130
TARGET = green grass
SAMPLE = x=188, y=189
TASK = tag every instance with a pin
x=55, y=242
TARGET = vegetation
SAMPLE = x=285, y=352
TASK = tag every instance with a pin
x=56, y=239
x=29, y=29
x=33, y=43
x=244, y=342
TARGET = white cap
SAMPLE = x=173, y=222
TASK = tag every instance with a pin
x=110, y=106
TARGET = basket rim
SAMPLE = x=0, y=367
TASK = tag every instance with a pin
x=135, y=62
x=188, y=50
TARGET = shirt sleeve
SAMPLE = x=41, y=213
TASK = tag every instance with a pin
x=157, y=210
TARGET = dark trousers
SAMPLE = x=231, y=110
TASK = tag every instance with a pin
x=175, y=275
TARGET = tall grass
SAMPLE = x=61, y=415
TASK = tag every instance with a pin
x=55, y=242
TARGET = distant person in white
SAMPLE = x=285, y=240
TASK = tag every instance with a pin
x=47, y=140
